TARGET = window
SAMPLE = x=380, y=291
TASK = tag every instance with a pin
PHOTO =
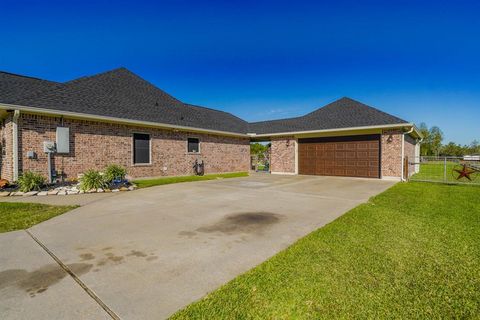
x=193, y=145
x=141, y=148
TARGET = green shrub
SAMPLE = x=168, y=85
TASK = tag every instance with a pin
x=30, y=181
x=92, y=179
x=114, y=171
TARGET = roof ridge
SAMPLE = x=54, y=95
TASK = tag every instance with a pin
x=373, y=108
x=336, y=100
x=27, y=77
x=96, y=75
x=149, y=83
x=213, y=109
x=281, y=119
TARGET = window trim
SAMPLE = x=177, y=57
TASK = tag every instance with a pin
x=199, y=143
x=149, y=149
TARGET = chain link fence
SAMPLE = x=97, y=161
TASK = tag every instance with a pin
x=452, y=170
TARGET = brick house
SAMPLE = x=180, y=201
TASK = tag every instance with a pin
x=117, y=117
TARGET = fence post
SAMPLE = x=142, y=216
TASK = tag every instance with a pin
x=445, y=169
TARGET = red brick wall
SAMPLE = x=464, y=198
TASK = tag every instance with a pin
x=283, y=155
x=391, y=153
x=6, y=146
x=410, y=153
x=94, y=145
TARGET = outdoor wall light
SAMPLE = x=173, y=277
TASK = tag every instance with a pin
x=288, y=142
x=390, y=138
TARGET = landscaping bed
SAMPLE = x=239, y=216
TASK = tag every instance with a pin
x=92, y=181
x=64, y=189
x=409, y=253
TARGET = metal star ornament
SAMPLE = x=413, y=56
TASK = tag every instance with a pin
x=465, y=172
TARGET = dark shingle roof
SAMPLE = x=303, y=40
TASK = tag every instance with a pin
x=14, y=86
x=342, y=113
x=122, y=94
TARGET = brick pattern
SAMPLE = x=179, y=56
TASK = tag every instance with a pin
x=410, y=153
x=283, y=155
x=93, y=145
x=391, y=153
x=6, y=149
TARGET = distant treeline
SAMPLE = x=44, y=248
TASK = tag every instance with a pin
x=432, y=144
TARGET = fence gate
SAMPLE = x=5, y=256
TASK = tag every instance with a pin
x=451, y=170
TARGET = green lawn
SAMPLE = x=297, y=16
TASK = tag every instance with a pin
x=17, y=216
x=435, y=171
x=411, y=252
x=169, y=180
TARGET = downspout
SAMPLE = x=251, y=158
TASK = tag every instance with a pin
x=403, y=151
x=16, y=115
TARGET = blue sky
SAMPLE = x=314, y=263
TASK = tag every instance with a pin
x=419, y=60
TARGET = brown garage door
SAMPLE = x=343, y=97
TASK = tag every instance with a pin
x=352, y=156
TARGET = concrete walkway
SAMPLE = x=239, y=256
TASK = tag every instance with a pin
x=147, y=253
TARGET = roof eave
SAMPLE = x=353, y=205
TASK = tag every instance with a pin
x=77, y=115
x=293, y=133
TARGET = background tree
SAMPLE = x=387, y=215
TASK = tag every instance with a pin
x=452, y=149
x=258, y=148
x=475, y=147
x=436, y=138
x=432, y=140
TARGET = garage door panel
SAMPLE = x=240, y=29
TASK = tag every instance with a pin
x=330, y=163
x=339, y=155
x=328, y=155
x=350, y=146
x=356, y=156
x=351, y=155
x=363, y=173
x=329, y=146
x=351, y=163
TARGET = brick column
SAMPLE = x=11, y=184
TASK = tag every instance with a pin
x=391, y=153
x=282, y=157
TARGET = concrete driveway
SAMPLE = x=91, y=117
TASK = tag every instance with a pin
x=147, y=253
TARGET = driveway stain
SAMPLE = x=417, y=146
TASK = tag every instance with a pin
x=138, y=254
x=151, y=258
x=87, y=256
x=189, y=234
x=38, y=281
x=244, y=222
x=113, y=258
x=116, y=259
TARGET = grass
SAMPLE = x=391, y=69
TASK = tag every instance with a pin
x=435, y=171
x=168, y=180
x=411, y=252
x=18, y=216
